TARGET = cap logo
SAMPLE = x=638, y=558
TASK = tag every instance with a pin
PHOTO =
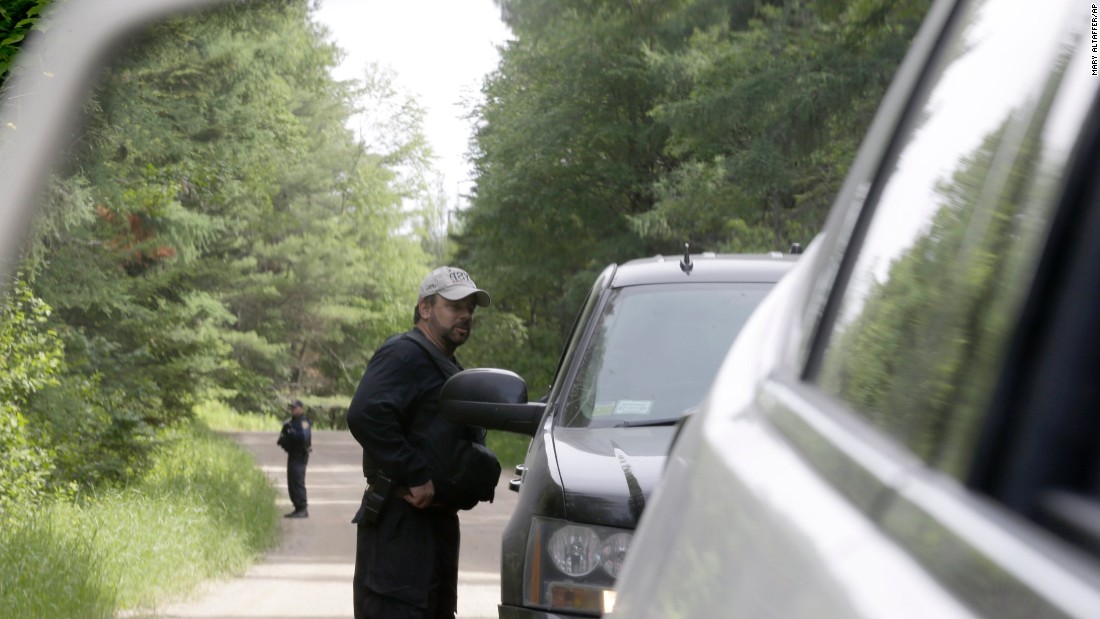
x=457, y=278
x=450, y=281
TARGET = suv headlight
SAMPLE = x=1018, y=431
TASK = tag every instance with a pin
x=571, y=566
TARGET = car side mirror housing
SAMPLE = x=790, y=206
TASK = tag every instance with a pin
x=492, y=399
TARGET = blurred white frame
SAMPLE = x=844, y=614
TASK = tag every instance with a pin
x=41, y=101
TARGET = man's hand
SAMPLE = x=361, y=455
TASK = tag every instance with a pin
x=421, y=496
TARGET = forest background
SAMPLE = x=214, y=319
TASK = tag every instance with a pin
x=218, y=234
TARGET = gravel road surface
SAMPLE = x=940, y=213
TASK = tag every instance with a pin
x=309, y=574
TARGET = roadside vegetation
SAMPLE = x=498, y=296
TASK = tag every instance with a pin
x=220, y=417
x=220, y=241
x=200, y=510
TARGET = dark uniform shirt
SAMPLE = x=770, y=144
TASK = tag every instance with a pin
x=394, y=409
x=296, y=437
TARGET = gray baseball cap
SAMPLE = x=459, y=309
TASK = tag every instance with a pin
x=452, y=284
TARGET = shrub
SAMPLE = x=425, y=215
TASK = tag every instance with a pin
x=30, y=354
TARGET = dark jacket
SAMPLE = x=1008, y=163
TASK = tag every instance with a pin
x=296, y=437
x=393, y=414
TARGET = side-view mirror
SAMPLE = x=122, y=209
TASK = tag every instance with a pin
x=492, y=399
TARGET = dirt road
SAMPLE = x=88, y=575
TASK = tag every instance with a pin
x=309, y=574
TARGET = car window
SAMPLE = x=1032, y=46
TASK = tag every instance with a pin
x=931, y=300
x=655, y=350
x=576, y=332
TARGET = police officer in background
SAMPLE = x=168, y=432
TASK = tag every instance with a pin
x=406, y=556
x=296, y=440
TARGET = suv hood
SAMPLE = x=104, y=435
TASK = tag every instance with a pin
x=607, y=474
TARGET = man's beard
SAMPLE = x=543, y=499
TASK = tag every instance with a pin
x=458, y=339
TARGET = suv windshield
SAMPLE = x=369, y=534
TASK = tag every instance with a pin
x=656, y=350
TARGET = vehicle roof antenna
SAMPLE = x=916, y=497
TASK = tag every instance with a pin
x=686, y=265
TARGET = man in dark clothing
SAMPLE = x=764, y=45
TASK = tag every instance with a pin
x=296, y=439
x=406, y=562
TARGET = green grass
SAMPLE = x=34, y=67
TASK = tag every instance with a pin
x=51, y=570
x=203, y=511
x=510, y=448
x=222, y=418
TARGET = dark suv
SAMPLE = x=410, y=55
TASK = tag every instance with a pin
x=920, y=432
x=645, y=347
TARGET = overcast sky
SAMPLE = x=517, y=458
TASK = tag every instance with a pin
x=440, y=51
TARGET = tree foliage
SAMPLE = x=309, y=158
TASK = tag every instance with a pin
x=613, y=130
x=766, y=116
x=219, y=231
x=30, y=356
x=18, y=18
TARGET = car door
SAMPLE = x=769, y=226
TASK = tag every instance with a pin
x=951, y=334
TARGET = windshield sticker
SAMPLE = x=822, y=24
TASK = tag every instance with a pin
x=603, y=409
x=633, y=407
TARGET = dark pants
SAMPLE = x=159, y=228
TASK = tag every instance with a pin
x=296, y=479
x=406, y=564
